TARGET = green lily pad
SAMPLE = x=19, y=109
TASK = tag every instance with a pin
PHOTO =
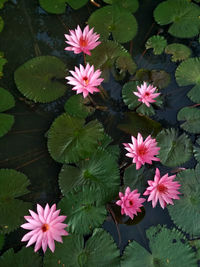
x=7, y=101
x=183, y=14
x=26, y=257
x=194, y=94
x=186, y=211
x=99, y=250
x=128, y=96
x=158, y=43
x=84, y=210
x=3, y=61
x=134, y=123
x=144, y=110
x=196, y=244
x=160, y=78
x=38, y=79
x=69, y=140
x=53, y=6
x=13, y=184
x=100, y=171
x=112, y=19
x=191, y=118
x=75, y=106
x=174, y=149
x=130, y=5
x=126, y=63
x=196, y=150
x=76, y=4
x=166, y=246
x=6, y=123
x=179, y=52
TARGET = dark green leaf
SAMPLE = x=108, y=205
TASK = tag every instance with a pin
x=191, y=118
x=179, y=52
x=1, y=241
x=53, y=6
x=160, y=78
x=130, y=5
x=194, y=94
x=128, y=96
x=158, y=43
x=3, y=61
x=7, y=101
x=6, y=123
x=76, y=4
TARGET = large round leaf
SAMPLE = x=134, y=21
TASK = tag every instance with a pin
x=69, y=140
x=100, y=171
x=168, y=248
x=84, y=210
x=7, y=101
x=191, y=118
x=186, y=211
x=76, y=4
x=130, y=5
x=183, y=15
x=38, y=79
x=13, y=184
x=111, y=19
x=6, y=123
x=174, y=149
x=178, y=51
x=99, y=250
x=26, y=257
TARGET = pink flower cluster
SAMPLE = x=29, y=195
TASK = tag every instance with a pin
x=84, y=80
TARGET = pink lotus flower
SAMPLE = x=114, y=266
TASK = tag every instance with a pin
x=130, y=202
x=82, y=41
x=46, y=226
x=85, y=80
x=146, y=94
x=163, y=189
x=142, y=151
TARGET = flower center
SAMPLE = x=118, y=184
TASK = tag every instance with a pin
x=142, y=150
x=147, y=94
x=45, y=227
x=86, y=81
x=131, y=202
x=161, y=188
x=83, y=42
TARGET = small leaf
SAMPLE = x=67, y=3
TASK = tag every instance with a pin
x=158, y=43
x=174, y=150
x=6, y=123
x=7, y=101
x=179, y=52
x=191, y=118
x=38, y=79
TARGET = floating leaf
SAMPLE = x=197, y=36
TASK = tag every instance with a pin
x=128, y=96
x=76, y=4
x=196, y=244
x=191, y=118
x=183, y=14
x=196, y=150
x=112, y=19
x=13, y=184
x=158, y=43
x=84, y=210
x=194, y=94
x=134, y=123
x=100, y=171
x=7, y=101
x=160, y=78
x=26, y=257
x=144, y=110
x=75, y=106
x=99, y=249
x=3, y=61
x=186, y=211
x=166, y=247
x=69, y=140
x=38, y=79
x=179, y=52
x=126, y=63
x=174, y=150
x=6, y=123
x=130, y=5
x=53, y=6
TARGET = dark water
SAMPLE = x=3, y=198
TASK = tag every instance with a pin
x=30, y=32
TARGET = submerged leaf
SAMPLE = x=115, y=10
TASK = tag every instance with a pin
x=179, y=52
x=174, y=150
x=1, y=24
x=191, y=118
x=160, y=78
x=3, y=61
x=38, y=79
x=69, y=140
x=112, y=19
x=158, y=43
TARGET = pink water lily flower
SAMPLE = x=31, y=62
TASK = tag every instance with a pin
x=142, y=151
x=146, y=94
x=130, y=202
x=163, y=189
x=82, y=41
x=85, y=80
x=45, y=226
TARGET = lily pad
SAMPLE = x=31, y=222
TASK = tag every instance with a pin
x=53, y=6
x=100, y=171
x=166, y=246
x=174, y=149
x=26, y=257
x=183, y=14
x=194, y=94
x=179, y=52
x=128, y=96
x=158, y=43
x=196, y=150
x=130, y=5
x=6, y=123
x=160, y=78
x=191, y=118
x=98, y=249
x=144, y=110
x=112, y=19
x=39, y=79
x=126, y=63
x=7, y=101
x=13, y=184
x=69, y=140
x=84, y=210
x=76, y=4
x=75, y=106
x=186, y=211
